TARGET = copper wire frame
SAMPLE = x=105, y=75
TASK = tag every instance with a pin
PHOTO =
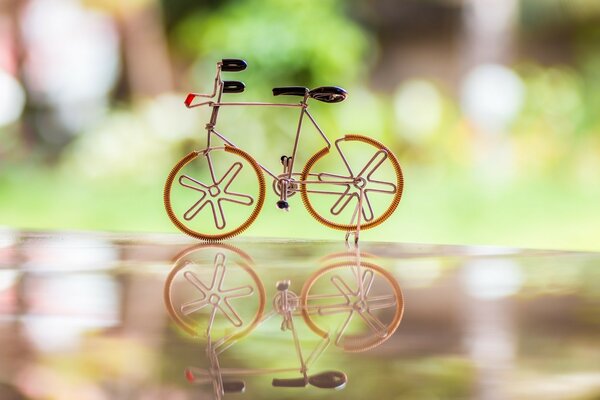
x=287, y=182
x=287, y=305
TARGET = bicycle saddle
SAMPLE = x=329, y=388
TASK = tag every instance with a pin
x=327, y=94
x=323, y=380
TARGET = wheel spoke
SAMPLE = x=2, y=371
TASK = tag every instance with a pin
x=373, y=322
x=219, y=215
x=230, y=175
x=367, y=282
x=218, y=276
x=338, y=193
x=196, y=208
x=381, y=302
x=367, y=211
x=332, y=309
x=211, y=320
x=381, y=187
x=219, y=260
x=340, y=334
x=189, y=182
x=230, y=314
x=194, y=280
x=193, y=306
x=235, y=293
x=330, y=175
x=342, y=202
x=373, y=165
x=342, y=287
x=238, y=198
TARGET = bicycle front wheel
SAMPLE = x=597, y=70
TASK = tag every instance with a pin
x=332, y=186
x=214, y=194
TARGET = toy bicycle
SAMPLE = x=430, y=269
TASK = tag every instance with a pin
x=217, y=192
x=214, y=294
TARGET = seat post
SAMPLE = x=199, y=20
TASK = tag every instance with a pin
x=297, y=139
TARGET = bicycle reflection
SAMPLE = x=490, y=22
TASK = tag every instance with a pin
x=214, y=293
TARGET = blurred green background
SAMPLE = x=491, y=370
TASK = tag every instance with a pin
x=490, y=105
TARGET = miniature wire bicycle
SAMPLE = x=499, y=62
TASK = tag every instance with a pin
x=213, y=293
x=218, y=192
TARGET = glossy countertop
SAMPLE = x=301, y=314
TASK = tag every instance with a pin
x=156, y=316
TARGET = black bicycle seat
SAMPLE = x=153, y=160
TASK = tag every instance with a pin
x=290, y=90
x=328, y=94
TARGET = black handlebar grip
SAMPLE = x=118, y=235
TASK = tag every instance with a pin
x=233, y=87
x=233, y=65
x=234, y=386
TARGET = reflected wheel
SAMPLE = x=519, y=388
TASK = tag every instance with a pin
x=214, y=287
x=365, y=312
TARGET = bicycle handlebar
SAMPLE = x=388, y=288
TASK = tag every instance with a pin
x=227, y=65
x=189, y=100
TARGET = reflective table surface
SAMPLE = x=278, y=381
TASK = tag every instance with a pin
x=122, y=316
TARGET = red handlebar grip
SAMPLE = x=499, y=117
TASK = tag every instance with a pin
x=189, y=99
x=189, y=375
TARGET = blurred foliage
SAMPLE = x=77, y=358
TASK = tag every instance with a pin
x=557, y=104
x=286, y=42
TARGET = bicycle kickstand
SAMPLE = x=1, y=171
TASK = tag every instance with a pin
x=357, y=215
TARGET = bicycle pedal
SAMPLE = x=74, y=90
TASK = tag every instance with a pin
x=283, y=205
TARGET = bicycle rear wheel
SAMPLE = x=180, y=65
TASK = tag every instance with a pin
x=214, y=194
x=331, y=192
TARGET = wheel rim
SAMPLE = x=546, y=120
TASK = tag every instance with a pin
x=394, y=200
x=207, y=201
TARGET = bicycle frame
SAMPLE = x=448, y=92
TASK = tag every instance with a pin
x=303, y=105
